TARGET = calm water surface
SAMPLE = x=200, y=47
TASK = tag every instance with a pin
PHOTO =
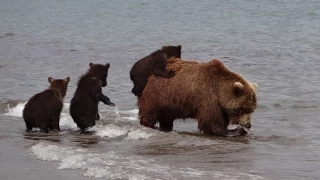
x=275, y=44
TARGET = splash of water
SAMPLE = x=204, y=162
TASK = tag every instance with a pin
x=15, y=111
x=116, y=110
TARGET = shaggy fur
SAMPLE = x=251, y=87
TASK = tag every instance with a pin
x=208, y=92
x=43, y=109
x=84, y=104
x=155, y=64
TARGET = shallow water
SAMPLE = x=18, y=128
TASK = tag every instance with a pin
x=272, y=43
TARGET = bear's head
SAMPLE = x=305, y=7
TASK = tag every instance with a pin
x=99, y=71
x=59, y=85
x=238, y=101
x=171, y=51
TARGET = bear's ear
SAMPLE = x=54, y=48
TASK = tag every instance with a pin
x=66, y=80
x=91, y=64
x=255, y=86
x=108, y=65
x=51, y=80
x=179, y=46
x=238, y=88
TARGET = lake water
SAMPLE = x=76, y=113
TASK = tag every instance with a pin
x=275, y=44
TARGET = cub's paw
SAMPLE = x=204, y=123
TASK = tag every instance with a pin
x=111, y=104
x=171, y=73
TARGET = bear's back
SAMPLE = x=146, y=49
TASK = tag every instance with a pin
x=43, y=104
x=145, y=65
x=87, y=92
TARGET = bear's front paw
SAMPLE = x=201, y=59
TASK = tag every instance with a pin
x=111, y=104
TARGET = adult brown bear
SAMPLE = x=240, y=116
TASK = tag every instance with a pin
x=155, y=64
x=43, y=109
x=208, y=92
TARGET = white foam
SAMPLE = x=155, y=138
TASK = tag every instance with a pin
x=129, y=115
x=74, y=161
x=110, y=130
x=139, y=134
x=16, y=111
x=129, y=118
x=66, y=106
x=132, y=112
x=97, y=172
x=116, y=110
x=128, y=132
x=112, y=165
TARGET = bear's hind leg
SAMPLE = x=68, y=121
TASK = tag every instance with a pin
x=166, y=123
x=83, y=130
x=50, y=127
x=97, y=116
x=29, y=127
x=44, y=128
x=55, y=124
x=148, y=121
x=28, y=121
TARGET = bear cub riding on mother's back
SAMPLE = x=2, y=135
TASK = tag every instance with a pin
x=155, y=64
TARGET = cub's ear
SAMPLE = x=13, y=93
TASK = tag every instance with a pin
x=108, y=65
x=51, y=80
x=66, y=80
x=179, y=46
x=255, y=86
x=91, y=64
x=238, y=88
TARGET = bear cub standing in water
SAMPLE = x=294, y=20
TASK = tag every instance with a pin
x=43, y=109
x=155, y=63
x=84, y=104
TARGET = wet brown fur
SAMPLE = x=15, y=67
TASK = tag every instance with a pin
x=84, y=104
x=43, y=109
x=203, y=91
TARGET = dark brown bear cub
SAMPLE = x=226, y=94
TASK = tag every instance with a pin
x=155, y=64
x=43, y=109
x=84, y=104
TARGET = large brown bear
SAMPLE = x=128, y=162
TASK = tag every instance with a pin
x=155, y=64
x=208, y=92
x=84, y=104
x=43, y=109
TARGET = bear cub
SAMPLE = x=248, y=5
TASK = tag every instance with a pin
x=43, y=109
x=155, y=64
x=84, y=104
